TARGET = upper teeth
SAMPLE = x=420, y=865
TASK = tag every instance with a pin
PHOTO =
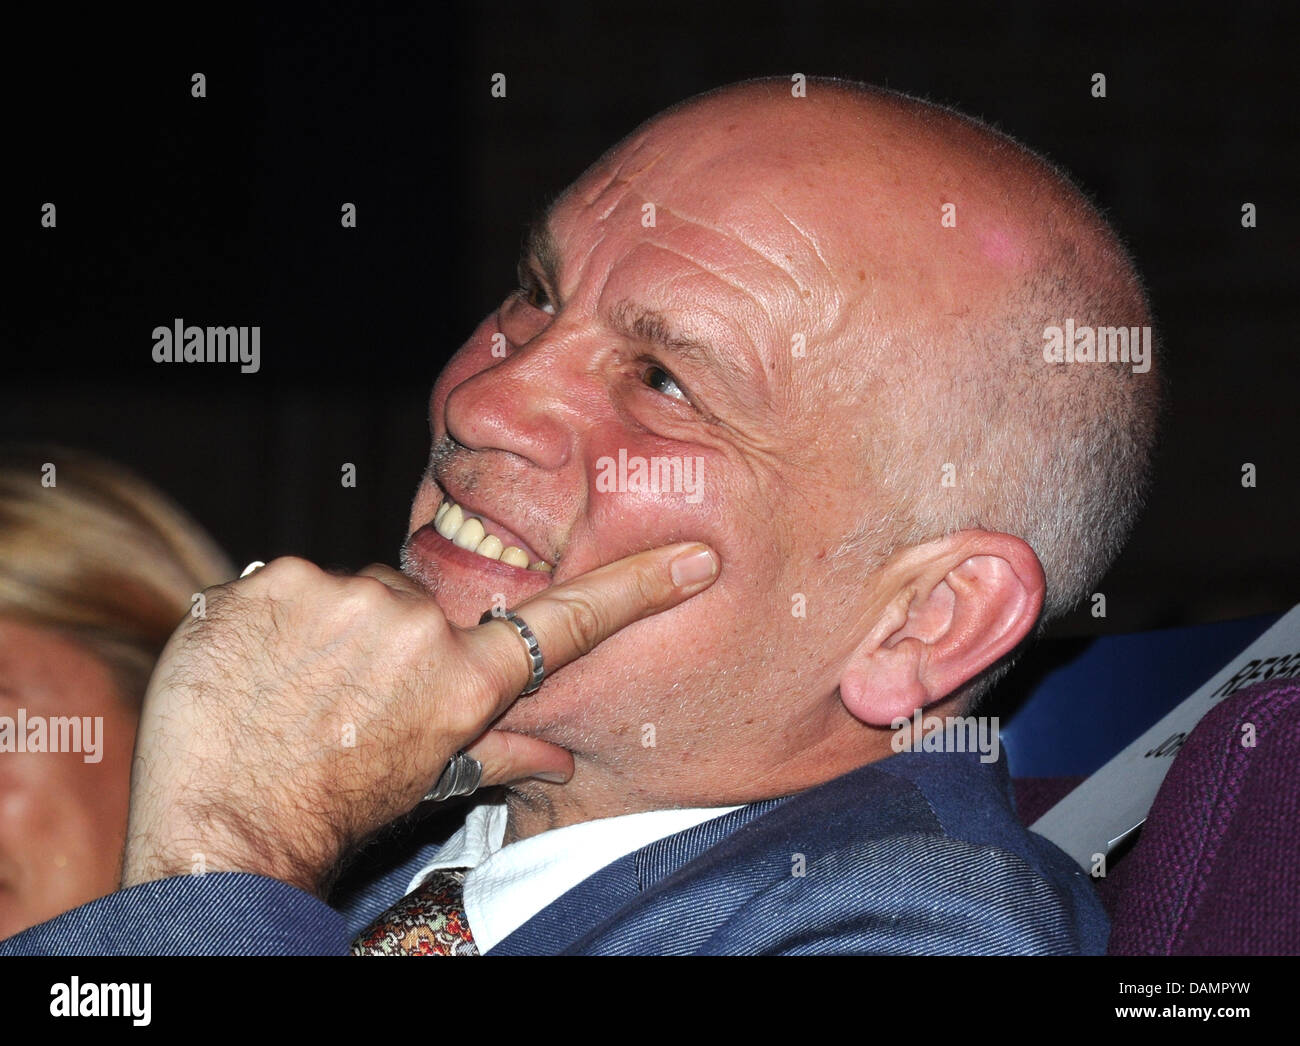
x=467, y=532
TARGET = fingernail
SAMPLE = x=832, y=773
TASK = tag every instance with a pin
x=553, y=776
x=700, y=564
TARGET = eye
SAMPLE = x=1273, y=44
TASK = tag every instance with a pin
x=537, y=297
x=655, y=377
x=532, y=291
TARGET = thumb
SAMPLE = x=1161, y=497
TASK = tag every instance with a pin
x=570, y=619
x=508, y=757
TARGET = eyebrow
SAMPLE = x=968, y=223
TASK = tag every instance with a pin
x=649, y=325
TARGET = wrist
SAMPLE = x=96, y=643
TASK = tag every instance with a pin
x=220, y=842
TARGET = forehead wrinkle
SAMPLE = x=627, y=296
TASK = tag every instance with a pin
x=592, y=247
x=803, y=235
x=589, y=199
x=701, y=266
x=624, y=189
x=555, y=214
x=613, y=161
x=829, y=306
x=732, y=236
x=821, y=327
x=594, y=222
x=594, y=229
x=831, y=302
x=622, y=183
x=779, y=404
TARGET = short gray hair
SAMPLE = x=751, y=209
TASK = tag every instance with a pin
x=1057, y=455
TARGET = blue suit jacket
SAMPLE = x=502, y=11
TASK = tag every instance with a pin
x=920, y=853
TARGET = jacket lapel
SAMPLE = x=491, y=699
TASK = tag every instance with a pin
x=601, y=897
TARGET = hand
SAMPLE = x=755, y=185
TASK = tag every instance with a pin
x=307, y=710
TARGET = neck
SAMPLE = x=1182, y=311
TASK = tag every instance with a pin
x=527, y=815
x=534, y=806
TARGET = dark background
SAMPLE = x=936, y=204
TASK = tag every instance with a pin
x=225, y=210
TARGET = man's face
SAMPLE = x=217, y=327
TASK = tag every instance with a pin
x=687, y=345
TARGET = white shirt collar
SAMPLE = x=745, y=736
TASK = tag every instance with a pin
x=508, y=885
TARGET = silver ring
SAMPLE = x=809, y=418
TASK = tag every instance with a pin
x=252, y=568
x=461, y=776
x=535, y=664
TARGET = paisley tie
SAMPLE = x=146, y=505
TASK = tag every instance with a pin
x=430, y=920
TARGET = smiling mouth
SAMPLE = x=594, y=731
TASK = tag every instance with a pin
x=476, y=534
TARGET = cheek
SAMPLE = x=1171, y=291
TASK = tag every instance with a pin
x=65, y=819
x=646, y=491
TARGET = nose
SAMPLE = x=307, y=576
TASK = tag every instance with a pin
x=530, y=404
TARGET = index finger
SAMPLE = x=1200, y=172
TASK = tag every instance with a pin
x=570, y=619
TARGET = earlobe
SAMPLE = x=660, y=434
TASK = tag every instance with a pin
x=969, y=602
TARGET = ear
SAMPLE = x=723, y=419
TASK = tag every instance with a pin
x=953, y=607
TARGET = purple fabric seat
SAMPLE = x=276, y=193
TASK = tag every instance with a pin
x=1217, y=868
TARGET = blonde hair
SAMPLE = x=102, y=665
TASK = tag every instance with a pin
x=91, y=550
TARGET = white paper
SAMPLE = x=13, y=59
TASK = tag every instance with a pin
x=1114, y=801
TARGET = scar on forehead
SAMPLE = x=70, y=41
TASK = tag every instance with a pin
x=622, y=176
x=610, y=177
